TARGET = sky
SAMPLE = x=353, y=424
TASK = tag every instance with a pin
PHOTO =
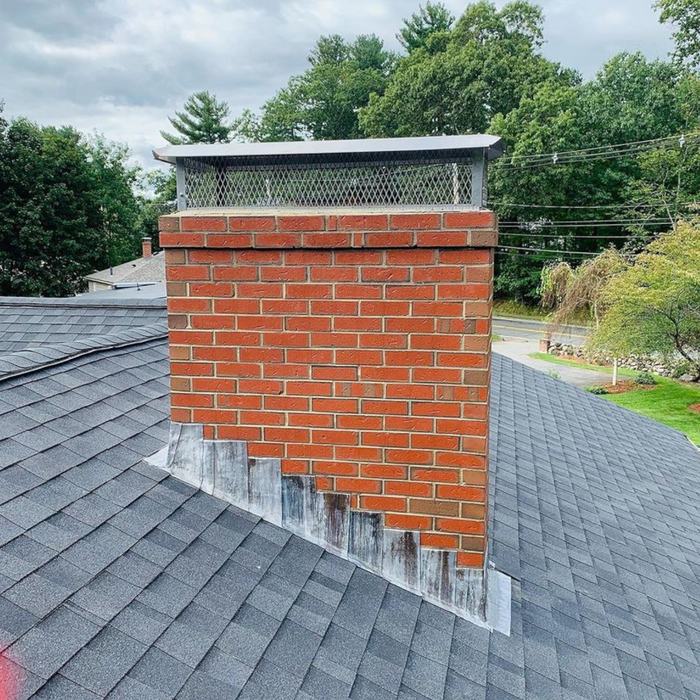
x=120, y=67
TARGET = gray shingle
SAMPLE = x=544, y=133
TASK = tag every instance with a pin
x=604, y=545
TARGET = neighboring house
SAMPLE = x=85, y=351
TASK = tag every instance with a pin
x=148, y=269
x=119, y=581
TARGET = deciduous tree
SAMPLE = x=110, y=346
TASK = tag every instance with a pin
x=653, y=306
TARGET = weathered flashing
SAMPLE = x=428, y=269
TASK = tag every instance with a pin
x=222, y=468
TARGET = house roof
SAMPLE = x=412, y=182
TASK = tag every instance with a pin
x=151, y=269
x=118, y=581
x=38, y=322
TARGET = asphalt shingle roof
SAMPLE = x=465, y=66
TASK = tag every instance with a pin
x=118, y=581
x=34, y=323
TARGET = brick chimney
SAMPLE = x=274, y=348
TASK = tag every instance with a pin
x=330, y=372
x=146, y=247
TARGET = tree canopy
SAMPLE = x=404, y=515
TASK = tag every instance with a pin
x=323, y=102
x=684, y=16
x=653, y=306
x=68, y=208
x=429, y=20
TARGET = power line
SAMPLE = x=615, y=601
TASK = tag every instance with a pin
x=557, y=156
x=610, y=223
x=592, y=206
x=545, y=250
x=592, y=237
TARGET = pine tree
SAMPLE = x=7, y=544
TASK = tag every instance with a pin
x=204, y=119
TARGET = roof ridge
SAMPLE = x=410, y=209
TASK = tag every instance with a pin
x=31, y=360
x=78, y=302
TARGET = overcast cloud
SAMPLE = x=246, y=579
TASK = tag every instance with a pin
x=121, y=66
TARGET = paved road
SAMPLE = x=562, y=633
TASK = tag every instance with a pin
x=521, y=338
x=531, y=329
x=520, y=351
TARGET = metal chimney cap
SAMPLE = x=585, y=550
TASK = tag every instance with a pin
x=492, y=145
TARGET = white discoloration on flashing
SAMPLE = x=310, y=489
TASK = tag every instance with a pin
x=498, y=601
x=265, y=489
x=159, y=459
x=222, y=468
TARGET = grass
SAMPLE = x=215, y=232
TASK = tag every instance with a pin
x=667, y=402
x=508, y=307
x=495, y=338
x=516, y=309
x=622, y=371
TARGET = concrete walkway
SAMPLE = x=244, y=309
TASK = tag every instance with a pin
x=520, y=350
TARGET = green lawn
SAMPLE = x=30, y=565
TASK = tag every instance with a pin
x=507, y=307
x=515, y=309
x=667, y=402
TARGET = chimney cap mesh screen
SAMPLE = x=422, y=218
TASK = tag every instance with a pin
x=393, y=180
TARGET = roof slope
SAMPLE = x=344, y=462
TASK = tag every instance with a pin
x=150, y=269
x=35, y=322
x=118, y=581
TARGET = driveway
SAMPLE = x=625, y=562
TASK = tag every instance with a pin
x=519, y=349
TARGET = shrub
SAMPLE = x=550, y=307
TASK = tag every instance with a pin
x=597, y=390
x=554, y=374
x=646, y=379
x=680, y=369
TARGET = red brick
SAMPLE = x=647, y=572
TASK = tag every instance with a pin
x=470, y=560
x=430, y=539
x=363, y=222
x=408, y=488
x=469, y=219
x=407, y=522
x=251, y=223
x=359, y=485
x=184, y=240
x=414, y=222
x=391, y=239
x=461, y=493
x=383, y=503
x=326, y=240
x=301, y=223
x=203, y=223
x=473, y=527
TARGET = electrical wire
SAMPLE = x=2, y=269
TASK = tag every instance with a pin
x=568, y=237
x=612, y=223
x=592, y=206
x=596, y=151
x=545, y=250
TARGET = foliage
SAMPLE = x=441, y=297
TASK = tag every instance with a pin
x=646, y=379
x=553, y=374
x=653, y=306
x=163, y=201
x=684, y=15
x=323, y=102
x=460, y=79
x=67, y=208
x=597, y=390
x=631, y=99
x=567, y=290
x=203, y=119
x=429, y=20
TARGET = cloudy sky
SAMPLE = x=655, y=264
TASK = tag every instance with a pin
x=121, y=66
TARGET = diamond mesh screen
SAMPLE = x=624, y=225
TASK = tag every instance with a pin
x=432, y=179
